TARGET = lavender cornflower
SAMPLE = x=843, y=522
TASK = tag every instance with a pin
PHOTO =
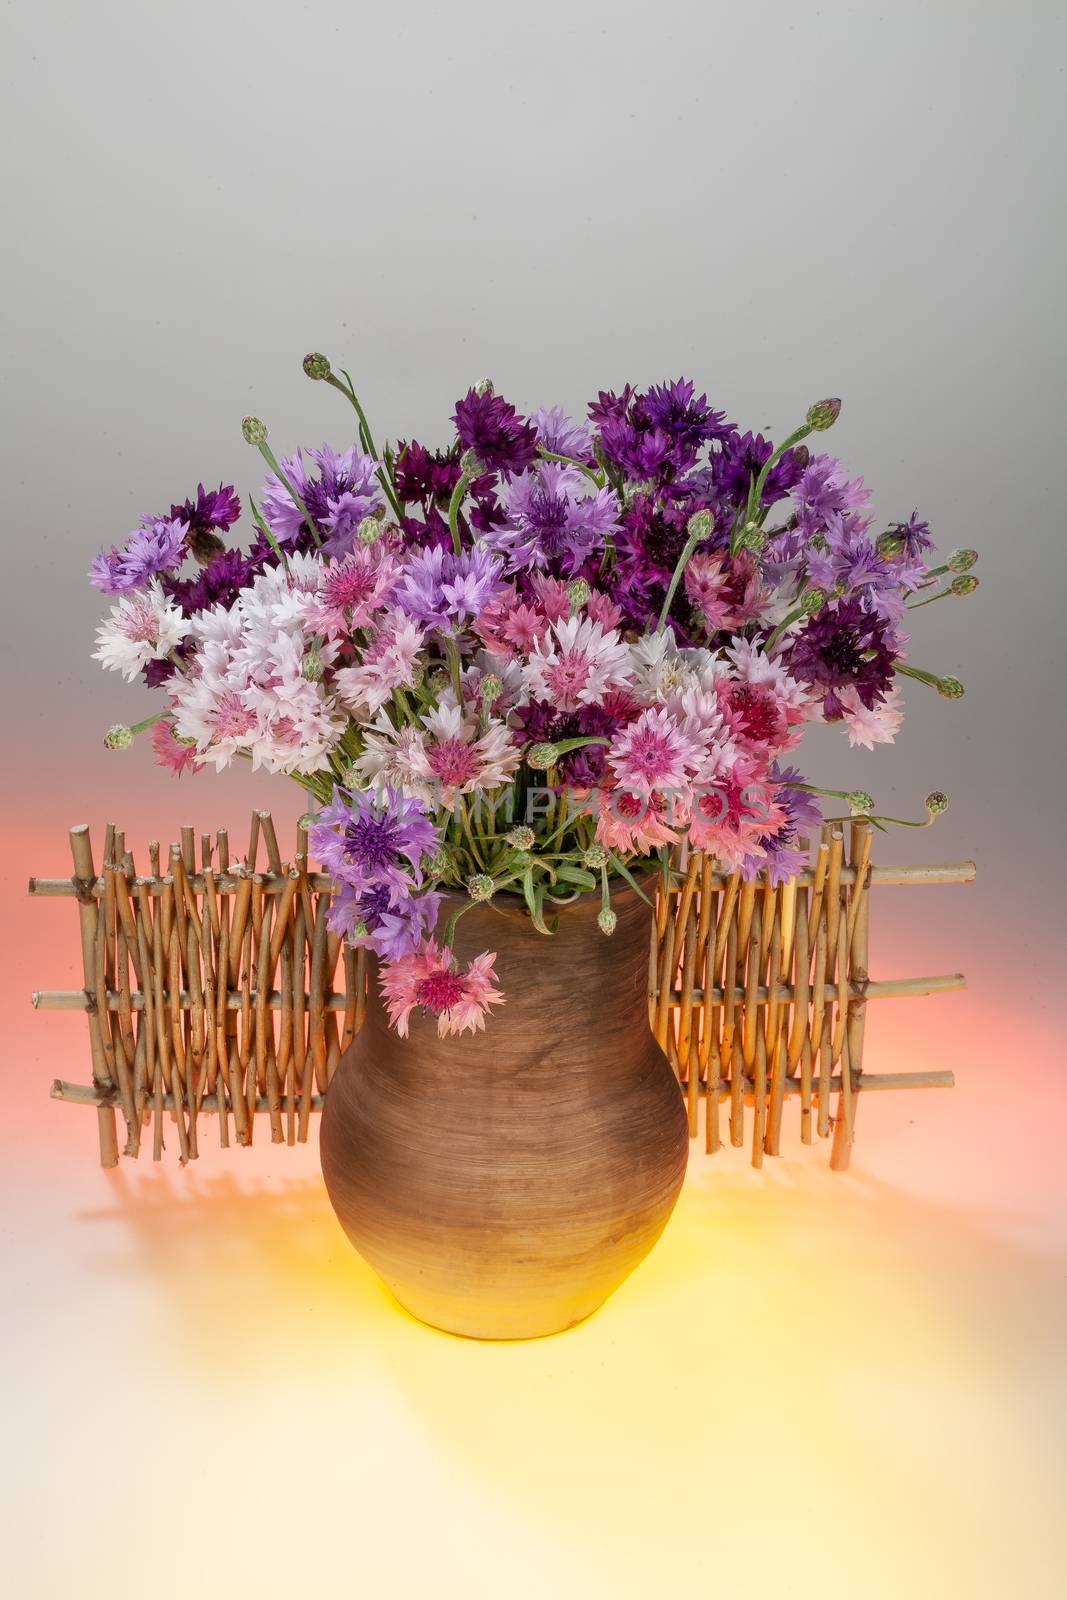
x=156, y=547
x=386, y=920
x=551, y=519
x=384, y=838
x=557, y=433
x=910, y=538
x=499, y=437
x=338, y=496
x=438, y=587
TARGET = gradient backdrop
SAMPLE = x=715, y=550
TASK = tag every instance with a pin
x=818, y=1385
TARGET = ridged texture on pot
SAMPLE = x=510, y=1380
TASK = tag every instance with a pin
x=503, y=1185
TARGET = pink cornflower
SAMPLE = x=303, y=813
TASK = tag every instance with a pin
x=354, y=590
x=457, y=759
x=734, y=807
x=428, y=980
x=389, y=662
x=653, y=753
x=600, y=608
x=632, y=824
x=726, y=590
x=576, y=664
x=551, y=596
x=177, y=755
x=878, y=724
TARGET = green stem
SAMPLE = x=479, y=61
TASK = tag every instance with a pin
x=918, y=604
x=272, y=461
x=366, y=438
x=676, y=576
x=786, y=622
x=455, y=666
x=453, y=509
x=149, y=722
x=930, y=678
x=265, y=531
x=569, y=461
x=755, y=490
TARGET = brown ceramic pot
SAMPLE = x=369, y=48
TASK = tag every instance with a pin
x=504, y=1184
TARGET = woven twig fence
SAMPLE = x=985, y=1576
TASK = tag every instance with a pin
x=215, y=992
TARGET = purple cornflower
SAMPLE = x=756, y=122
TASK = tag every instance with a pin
x=844, y=643
x=422, y=475
x=338, y=497
x=386, y=920
x=383, y=839
x=550, y=519
x=557, y=433
x=213, y=510
x=914, y=535
x=157, y=546
x=739, y=462
x=659, y=433
x=438, y=587
x=501, y=439
x=219, y=581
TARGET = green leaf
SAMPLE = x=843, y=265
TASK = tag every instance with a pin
x=535, y=900
x=577, y=875
x=625, y=873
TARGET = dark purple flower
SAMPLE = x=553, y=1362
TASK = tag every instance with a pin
x=213, y=510
x=542, y=723
x=690, y=423
x=658, y=434
x=422, y=475
x=499, y=437
x=739, y=462
x=844, y=643
x=218, y=582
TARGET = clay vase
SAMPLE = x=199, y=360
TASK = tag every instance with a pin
x=503, y=1184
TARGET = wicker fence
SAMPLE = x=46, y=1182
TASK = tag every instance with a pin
x=214, y=992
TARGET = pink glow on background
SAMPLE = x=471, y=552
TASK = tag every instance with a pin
x=834, y=1385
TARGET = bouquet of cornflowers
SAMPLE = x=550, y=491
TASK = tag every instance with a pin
x=532, y=662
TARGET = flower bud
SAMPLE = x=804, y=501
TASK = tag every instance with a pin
x=521, y=838
x=370, y=529
x=801, y=456
x=889, y=545
x=936, y=802
x=577, y=594
x=964, y=584
x=542, y=756
x=203, y=545
x=360, y=930
x=308, y=820
x=484, y=386
x=860, y=800
x=316, y=365
x=812, y=600
x=255, y=432
x=606, y=921
x=700, y=525
x=596, y=857
x=961, y=560
x=481, y=886
x=951, y=688
x=351, y=777
x=491, y=688
x=440, y=863
x=119, y=737
x=313, y=667
x=471, y=464
x=823, y=414
x=752, y=538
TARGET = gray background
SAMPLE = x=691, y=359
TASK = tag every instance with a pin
x=782, y=201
